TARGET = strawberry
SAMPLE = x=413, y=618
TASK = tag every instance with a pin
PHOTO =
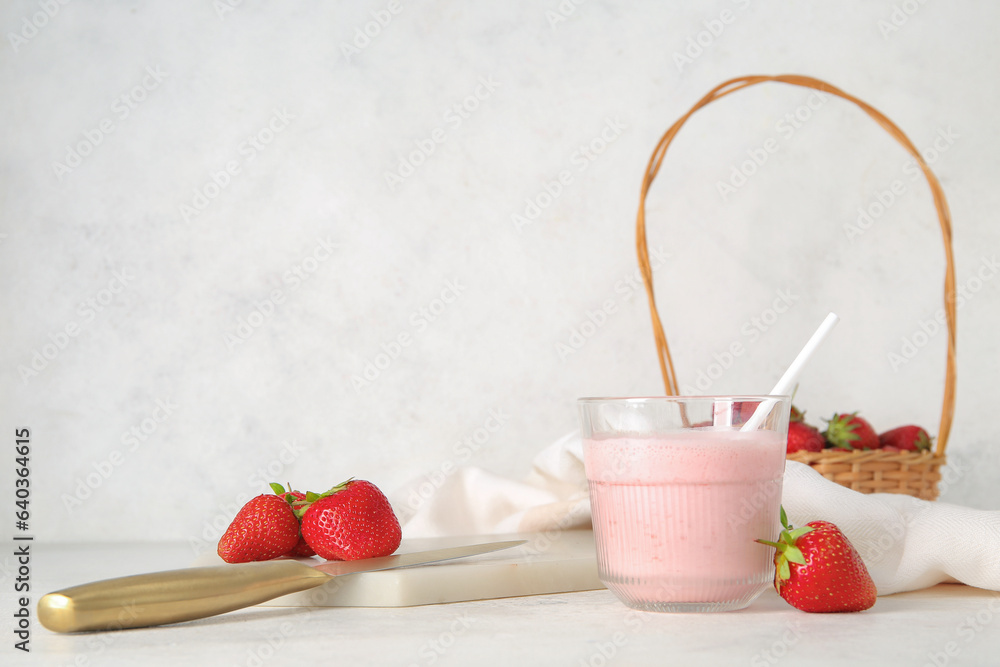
x=850, y=432
x=263, y=529
x=906, y=438
x=302, y=549
x=353, y=520
x=804, y=438
x=818, y=570
x=743, y=410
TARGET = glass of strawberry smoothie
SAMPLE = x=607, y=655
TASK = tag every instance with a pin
x=680, y=489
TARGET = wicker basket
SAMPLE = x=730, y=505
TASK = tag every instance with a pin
x=875, y=471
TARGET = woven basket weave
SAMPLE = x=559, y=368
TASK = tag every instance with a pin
x=875, y=471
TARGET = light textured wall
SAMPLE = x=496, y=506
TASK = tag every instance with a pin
x=237, y=207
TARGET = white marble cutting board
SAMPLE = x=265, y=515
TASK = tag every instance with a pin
x=555, y=562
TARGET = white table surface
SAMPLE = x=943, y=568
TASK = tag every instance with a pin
x=944, y=625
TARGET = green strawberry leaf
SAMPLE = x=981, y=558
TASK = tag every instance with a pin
x=794, y=554
x=339, y=487
x=923, y=442
x=840, y=431
x=799, y=532
x=786, y=546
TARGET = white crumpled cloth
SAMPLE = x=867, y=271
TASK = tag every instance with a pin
x=906, y=543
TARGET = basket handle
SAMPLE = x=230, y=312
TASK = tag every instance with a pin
x=940, y=203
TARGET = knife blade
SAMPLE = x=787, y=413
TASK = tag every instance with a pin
x=174, y=596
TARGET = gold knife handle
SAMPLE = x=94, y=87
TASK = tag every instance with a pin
x=173, y=596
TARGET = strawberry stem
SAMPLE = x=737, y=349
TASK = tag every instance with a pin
x=786, y=547
x=301, y=506
x=840, y=431
x=339, y=487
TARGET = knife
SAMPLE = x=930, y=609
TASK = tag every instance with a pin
x=184, y=595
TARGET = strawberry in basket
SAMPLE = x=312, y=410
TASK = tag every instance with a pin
x=908, y=438
x=801, y=436
x=849, y=431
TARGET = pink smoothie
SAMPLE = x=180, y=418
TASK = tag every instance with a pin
x=676, y=515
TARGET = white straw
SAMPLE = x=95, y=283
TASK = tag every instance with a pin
x=788, y=380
